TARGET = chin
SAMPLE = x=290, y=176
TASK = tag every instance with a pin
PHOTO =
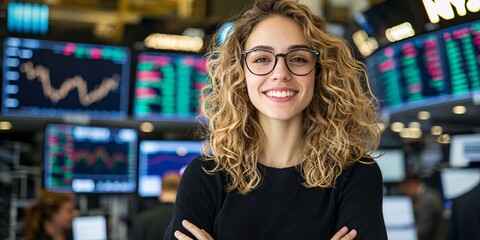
x=283, y=117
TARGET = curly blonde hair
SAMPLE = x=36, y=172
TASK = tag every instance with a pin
x=340, y=125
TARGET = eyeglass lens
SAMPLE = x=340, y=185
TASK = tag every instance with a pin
x=299, y=62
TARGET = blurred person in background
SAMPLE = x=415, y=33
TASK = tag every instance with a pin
x=428, y=207
x=50, y=216
x=465, y=218
x=151, y=223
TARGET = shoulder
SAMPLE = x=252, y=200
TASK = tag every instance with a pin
x=198, y=174
x=365, y=168
x=469, y=198
x=365, y=171
x=432, y=192
x=202, y=162
x=199, y=167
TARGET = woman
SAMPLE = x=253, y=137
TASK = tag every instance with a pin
x=50, y=216
x=291, y=124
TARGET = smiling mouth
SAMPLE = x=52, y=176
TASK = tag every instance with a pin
x=280, y=94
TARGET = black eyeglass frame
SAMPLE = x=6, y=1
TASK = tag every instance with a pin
x=276, y=55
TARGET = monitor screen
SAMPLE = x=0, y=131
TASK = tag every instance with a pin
x=465, y=150
x=157, y=157
x=461, y=48
x=436, y=67
x=88, y=159
x=392, y=165
x=457, y=181
x=167, y=86
x=409, y=71
x=89, y=228
x=64, y=79
x=399, y=217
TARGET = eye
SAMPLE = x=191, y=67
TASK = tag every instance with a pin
x=298, y=59
x=260, y=57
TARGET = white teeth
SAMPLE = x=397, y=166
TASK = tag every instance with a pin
x=280, y=94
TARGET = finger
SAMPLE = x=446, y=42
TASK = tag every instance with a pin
x=342, y=232
x=195, y=231
x=180, y=236
x=207, y=235
x=351, y=235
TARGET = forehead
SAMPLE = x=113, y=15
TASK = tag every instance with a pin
x=278, y=32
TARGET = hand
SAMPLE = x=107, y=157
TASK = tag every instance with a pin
x=343, y=234
x=200, y=234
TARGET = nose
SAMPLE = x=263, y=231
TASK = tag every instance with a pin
x=280, y=71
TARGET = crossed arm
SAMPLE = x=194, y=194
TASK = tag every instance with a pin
x=200, y=234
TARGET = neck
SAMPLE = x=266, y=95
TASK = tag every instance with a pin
x=284, y=145
x=55, y=232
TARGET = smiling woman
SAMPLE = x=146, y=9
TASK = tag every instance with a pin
x=291, y=125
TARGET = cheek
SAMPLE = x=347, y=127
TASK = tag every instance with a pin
x=64, y=218
x=67, y=220
x=310, y=89
x=59, y=219
x=253, y=85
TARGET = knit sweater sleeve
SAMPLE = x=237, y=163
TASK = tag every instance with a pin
x=360, y=199
x=197, y=198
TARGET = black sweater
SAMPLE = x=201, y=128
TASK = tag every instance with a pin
x=282, y=208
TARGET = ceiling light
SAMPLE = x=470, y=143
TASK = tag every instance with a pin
x=174, y=42
x=414, y=125
x=416, y=133
x=423, y=115
x=397, y=126
x=459, y=110
x=436, y=130
x=147, y=127
x=413, y=133
x=5, y=125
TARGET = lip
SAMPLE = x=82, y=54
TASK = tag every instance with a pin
x=280, y=89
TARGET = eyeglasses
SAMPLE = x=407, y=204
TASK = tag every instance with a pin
x=298, y=61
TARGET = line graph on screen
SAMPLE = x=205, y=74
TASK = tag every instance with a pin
x=42, y=74
x=63, y=80
x=100, y=161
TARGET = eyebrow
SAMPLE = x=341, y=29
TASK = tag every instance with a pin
x=265, y=47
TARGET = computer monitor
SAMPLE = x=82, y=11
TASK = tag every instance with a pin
x=90, y=228
x=465, y=150
x=426, y=69
x=168, y=86
x=457, y=181
x=392, y=164
x=399, y=217
x=53, y=79
x=157, y=157
x=87, y=159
